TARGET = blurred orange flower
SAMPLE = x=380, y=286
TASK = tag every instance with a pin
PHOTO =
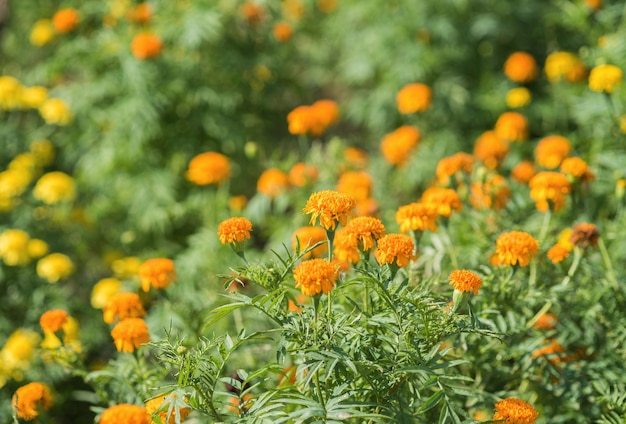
x=520, y=67
x=252, y=13
x=124, y=414
x=140, y=14
x=313, y=119
x=551, y=151
x=29, y=400
x=146, y=46
x=357, y=184
x=122, y=306
x=415, y=97
x=302, y=174
x=310, y=236
x=546, y=321
x=445, y=200
x=493, y=192
x=548, y=190
x=130, y=334
x=512, y=126
x=315, y=276
x=356, y=157
x=417, y=216
x=397, y=146
x=578, y=169
x=515, y=248
x=163, y=401
x=273, y=182
x=491, y=149
x=156, y=272
x=65, y=20
x=208, y=168
x=447, y=167
x=53, y=320
x=523, y=171
x=557, y=253
x=282, y=31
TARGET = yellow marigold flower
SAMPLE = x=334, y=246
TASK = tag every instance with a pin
x=449, y=166
x=520, y=67
x=398, y=248
x=234, y=230
x=14, y=182
x=564, y=65
x=272, y=183
x=65, y=20
x=515, y=248
x=103, y=291
x=565, y=237
x=557, y=253
x=146, y=46
x=465, y=281
x=357, y=184
x=208, y=168
x=491, y=193
x=415, y=97
x=397, y=146
x=130, y=334
x=33, y=97
x=43, y=152
x=163, y=403
x=25, y=162
x=37, y=248
x=578, y=169
x=605, y=78
x=546, y=321
x=122, y=306
x=518, y=97
x=55, y=267
x=367, y=230
x=548, y=189
x=53, y=320
x=301, y=174
x=14, y=247
x=10, y=93
x=18, y=350
x=29, y=400
x=326, y=6
x=358, y=158
x=55, y=112
x=445, y=200
x=417, y=216
x=157, y=272
x=523, y=171
x=310, y=236
x=55, y=187
x=126, y=267
x=346, y=246
x=315, y=276
x=331, y=207
x=512, y=126
x=551, y=151
x=42, y=33
x=514, y=411
x=585, y=235
x=490, y=149
x=125, y=414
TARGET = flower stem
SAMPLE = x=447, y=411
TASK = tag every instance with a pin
x=610, y=271
x=544, y=227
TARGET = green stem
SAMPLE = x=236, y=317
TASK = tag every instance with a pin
x=610, y=271
x=533, y=274
x=544, y=227
x=578, y=254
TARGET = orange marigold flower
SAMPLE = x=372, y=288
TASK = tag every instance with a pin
x=234, y=230
x=553, y=347
x=551, y=151
x=546, y=321
x=515, y=247
x=122, y=306
x=302, y=174
x=156, y=272
x=518, y=97
x=605, y=78
x=163, y=403
x=520, y=67
x=29, y=399
x=557, y=253
x=465, y=281
x=238, y=405
x=514, y=411
x=129, y=334
x=65, y=20
x=366, y=207
x=397, y=146
x=310, y=236
x=491, y=193
x=208, y=168
x=398, y=248
x=346, y=246
x=491, y=149
x=445, y=200
x=358, y=158
x=252, y=13
x=577, y=168
x=584, y=235
x=146, y=46
x=325, y=113
x=564, y=65
x=523, y=171
x=53, y=320
x=299, y=120
x=357, y=184
x=326, y=6
x=417, y=216
x=415, y=97
x=272, y=183
x=124, y=414
x=367, y=230
x=315, y=276
x=548, y=189
x=140, y=14
x=331, y=207
x=512, y=126
x=594, y=4
x=451, y=165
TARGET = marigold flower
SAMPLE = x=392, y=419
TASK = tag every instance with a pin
x=465, y=281
x=292, y=9
x=234, y=230
x=18, y=351
x=584, y=235
x=564, y=65
x=55, y=112
x=445, y=200
x=237, y=203
x=512, y=126
x=605, y=78
x=252, y=13
x=140, y=14
x=578, y=169
x=565, y=237
x=42, y=33
x=299, y=120
x=523, y=171
x=146, y=46
x=129, y=334
x=357, y=184
x=55, y=267
x=594, y=4
x=491, y=193
x=397, y=146
x=358, y=158
x=452, y=165
x=125, y=414
x=415, y=97
x=366, y=207
x=65, y=20
x=122, y=306
x=326, y=6
x=126, y=267
x=548, y=189
x=238, y=405
x=302, y=174
x=315, y=276
x=551, y=151
x=156, y=272
x=398, y=248
x=29, y=400
x=553, y=347
x=518, y=97
x=325, y=113
x=417, y=216
x=520, y=67
x=272, y=183
x=34, y=97
x=282, y=31
x=55, y=187
x=208, y=168
x=514, y=411
x=515, y=248
x=310, y=236
x=14, y=182
x=331, y=207
x=43, y=151
x=367, y=230
x=346, y=246
x=10, y=92
x=14, y=247
x=557, y=253
x=491, y=149
x=103, y=291
x=164, y=402
x=546, y=321
x=53, y=320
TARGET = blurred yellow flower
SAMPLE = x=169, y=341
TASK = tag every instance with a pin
x=315, y=276
x=29, y=400
x=43, y=151
x=55, y=267
x=25, y=162
x=14, y=182
x=518, y=97
x=331, y=207
x=130, y=334
x=564, y=65
x=514, y=411
x=103, y=291
x=17, y=353
x=10, y=93
x=157, y=273
x=605, y=78
x=41, y=33
x=55, y=187
x=208, y=168
x=126, y=267
x=415, y=97
x=55, y=112
x=37, y=248
x=33, y=97
x=14, y=247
